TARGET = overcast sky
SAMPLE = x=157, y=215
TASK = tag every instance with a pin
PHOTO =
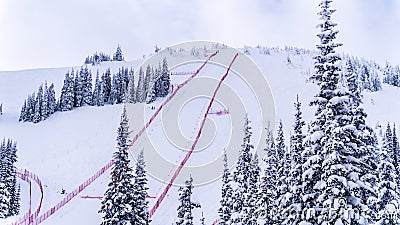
x=54, y=33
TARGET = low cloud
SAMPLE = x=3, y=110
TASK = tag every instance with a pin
x=46, y=33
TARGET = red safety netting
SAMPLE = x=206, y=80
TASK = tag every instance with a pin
x=177, y=73
x=29, y=216
x=183, y=162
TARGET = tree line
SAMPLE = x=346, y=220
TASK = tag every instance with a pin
x=40, y=106
x=391, y=75
x=97, y=58
x=78, y=91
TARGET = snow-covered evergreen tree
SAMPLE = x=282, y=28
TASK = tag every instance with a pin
x=325, y=67
x=387, y=144
x=283, y=171
x=284, y=189
x=30, y=109
x=118, y=203
x=106, y=86
x=186, y=205
x=151, y=92
x=97, y=58
x=387, y=73
x=118, y=56
x=67, y=93
x=395, y=148
x=98, y=99
x=352, y=83
x=4, y=201
x=130, y=96
x=12, y=184
x=396, y=77
x=147, y=78
x=141, y=205
x=280, y=142
x=86, y=79
x=78, y=89
x=45, y=103
x=37, y=117
x=225, y=209
x=52, y=101
x=365, y=77
x=366, y=143
x=38, y=110
x=158, y=81
x=375, y=81
x=4, y=190
x=295, y=181
x=8, y=158
x=119, y=86
x=388, y=197
x=114, y=92
x=268, y=187
x=250, y=208
x=15, y=201
x=332, y=169
x=23, y=115
x=241, y=176
x=165, y=78
x=140, y=91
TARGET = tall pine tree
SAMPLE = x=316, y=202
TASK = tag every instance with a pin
x=52, y=101
x=118, y=56
x=225, y=210
x=241, y=176
x=268, y=187
x=45, y=104
x=388, y=197
x=250, y=208
x=78, y=89
x=325, y=65
x=140, y=209
x=118, y=203
x=67, y=93
x=130, y=96
x=332, y=169
x=295, y=180
x=140, y=90
x=186, y=206
x=37, y=116
x=10, y=194
x=86, y=79
x=106, y=86
x=165, y=78
x=98, y=99
x=283, y=172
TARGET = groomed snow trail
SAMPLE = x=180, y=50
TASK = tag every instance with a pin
x=183, y=162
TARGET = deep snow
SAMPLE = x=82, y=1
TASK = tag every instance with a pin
x=69, y=147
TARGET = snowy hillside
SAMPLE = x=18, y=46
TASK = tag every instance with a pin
x=69, y=147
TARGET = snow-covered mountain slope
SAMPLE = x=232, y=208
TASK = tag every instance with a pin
x=69, y=147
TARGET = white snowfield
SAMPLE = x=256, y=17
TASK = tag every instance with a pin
x=69, y=147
